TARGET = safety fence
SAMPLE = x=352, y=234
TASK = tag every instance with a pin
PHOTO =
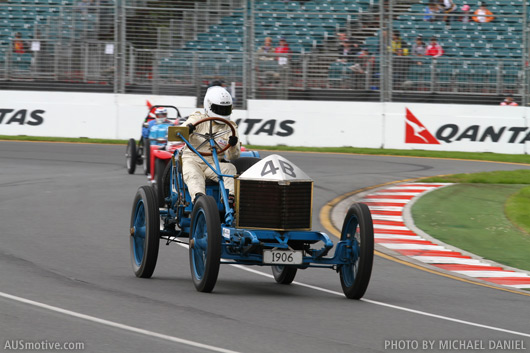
x=332, y=50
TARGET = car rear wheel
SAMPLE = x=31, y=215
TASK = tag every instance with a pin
x=145, y=232
x=131, y=156
x=146, y=156
x=358, y=234
x=205, y=244
x=284, y=274
x=160, y=169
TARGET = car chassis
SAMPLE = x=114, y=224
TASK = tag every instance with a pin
x=219, y=234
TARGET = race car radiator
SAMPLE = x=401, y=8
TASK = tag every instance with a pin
x=274, y=205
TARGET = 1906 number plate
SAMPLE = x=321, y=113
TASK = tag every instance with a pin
x=282, y=257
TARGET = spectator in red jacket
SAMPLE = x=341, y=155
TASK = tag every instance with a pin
x=434, y=49
x=18, y=44
x=283, y=48
x=509, y=101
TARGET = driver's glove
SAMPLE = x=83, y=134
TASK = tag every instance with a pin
x=191, y=127
x=232, y=140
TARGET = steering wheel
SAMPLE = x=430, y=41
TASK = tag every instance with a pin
x=211, y=136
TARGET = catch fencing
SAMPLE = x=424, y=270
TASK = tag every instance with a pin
x=181, y=47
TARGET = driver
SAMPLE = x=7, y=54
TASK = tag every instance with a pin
x=160, y=118
x=161, y=115
x=217, y=103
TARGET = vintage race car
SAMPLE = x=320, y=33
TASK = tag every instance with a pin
x=152, y=134
x=269, y=225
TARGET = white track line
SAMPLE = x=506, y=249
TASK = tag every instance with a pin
x=469, y=323
x=115, y=324
x=222, y=350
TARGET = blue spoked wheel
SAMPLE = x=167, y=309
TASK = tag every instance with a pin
x=358, y=233
x=205, y=244
x=145, y=232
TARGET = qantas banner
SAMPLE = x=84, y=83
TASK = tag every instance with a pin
x=441, y=127
x=72, y=114
x=312, y=123
x=466, y=128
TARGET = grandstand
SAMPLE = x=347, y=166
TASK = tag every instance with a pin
x=159, y=45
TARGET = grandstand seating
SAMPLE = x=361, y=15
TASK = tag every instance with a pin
x=304, y=25
x=59, y=20
x=476, y=55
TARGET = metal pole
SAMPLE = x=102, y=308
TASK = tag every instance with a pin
x=116, y=53
x=390, y=81
x=525, y=56
x=123, y=47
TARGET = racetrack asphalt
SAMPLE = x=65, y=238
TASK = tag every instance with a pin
x=65, y=210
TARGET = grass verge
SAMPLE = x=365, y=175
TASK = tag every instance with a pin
x=472, y=217
x=518, y=209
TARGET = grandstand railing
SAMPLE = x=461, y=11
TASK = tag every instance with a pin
x=180, y=47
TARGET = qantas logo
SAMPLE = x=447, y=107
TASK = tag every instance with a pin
x=415, y=132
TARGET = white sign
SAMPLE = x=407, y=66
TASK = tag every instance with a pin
x=466, y=128
x=109, y=48
x=439, y=127
x=311, y=123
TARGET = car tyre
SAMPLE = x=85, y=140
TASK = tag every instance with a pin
x=131, y=156
x=205, y=244
x=284, y=274
x=358, y=233
x=145, y=232
x=160, y=169
x=146, y=156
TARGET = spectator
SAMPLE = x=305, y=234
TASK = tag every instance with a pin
x=482, y=14
x=398, y=43
x=348, y=50
x=366, y=61
x=434, y=49
x=448, y=7
x=341, y=37
x=266, y=49
x=283, y=48
x=509, y=101
x=431, y=11
x=19, y=46
x=466, y=12
x=419, y=47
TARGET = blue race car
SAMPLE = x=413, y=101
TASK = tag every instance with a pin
x=154, y=128
x=269, y=224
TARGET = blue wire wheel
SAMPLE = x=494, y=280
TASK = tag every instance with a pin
x=144, y=232
x=358, y=235
x=205, y=244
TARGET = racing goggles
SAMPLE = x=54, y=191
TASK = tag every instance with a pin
x=223, y=110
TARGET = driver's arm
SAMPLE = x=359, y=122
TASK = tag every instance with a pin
x=234, y=152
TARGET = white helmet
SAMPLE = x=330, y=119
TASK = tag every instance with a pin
x=161, y=115
x=218, y=102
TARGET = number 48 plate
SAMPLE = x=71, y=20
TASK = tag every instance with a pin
x=282, y=257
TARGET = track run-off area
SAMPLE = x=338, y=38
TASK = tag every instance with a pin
x=66, y=273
